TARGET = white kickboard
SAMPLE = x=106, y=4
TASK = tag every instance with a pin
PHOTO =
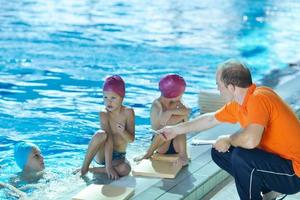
x=203, y=142
x=104, y=192
x=155, y=168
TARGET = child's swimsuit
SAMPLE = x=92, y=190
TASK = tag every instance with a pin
x=171, y=149
x=116, y=155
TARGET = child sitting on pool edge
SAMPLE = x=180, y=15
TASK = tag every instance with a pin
x=108, y=146
x=169, y=110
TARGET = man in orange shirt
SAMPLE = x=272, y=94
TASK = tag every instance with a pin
x=264, y=156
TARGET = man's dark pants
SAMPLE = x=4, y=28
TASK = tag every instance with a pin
x=256, y=171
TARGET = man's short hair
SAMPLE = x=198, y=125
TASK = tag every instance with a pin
x=236, y=73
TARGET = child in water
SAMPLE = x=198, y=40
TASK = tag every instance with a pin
x=108, y=146
x=168, y=109
x=30, y=160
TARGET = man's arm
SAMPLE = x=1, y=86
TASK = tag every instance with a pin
x=18, y=192
x=248, y=138
x=201, y=123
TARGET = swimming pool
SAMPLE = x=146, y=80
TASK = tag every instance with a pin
x=55, y=56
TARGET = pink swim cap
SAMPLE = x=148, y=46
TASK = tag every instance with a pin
x=172, y=85
x=114, y=84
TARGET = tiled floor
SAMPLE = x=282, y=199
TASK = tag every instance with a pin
x=229, y=193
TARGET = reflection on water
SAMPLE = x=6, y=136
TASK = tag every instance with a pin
x=54, y=57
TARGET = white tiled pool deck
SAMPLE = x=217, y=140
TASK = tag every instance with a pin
x=229, y=193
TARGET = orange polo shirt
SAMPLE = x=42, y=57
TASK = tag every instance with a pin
x=282, y=128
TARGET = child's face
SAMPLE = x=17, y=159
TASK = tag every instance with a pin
x=112, y=100
x=35, y=161
x=175, y=99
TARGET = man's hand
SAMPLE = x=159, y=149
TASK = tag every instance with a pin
x=222, y=143
x=111, y=173
x=167, y=133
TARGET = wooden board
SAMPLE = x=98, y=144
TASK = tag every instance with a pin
x=104, y=192
x=210, y=101
x=155, y=168
x=167, y=157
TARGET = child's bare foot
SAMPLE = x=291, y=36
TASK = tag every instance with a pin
x=182, y=161
x=84, y=170
x=96, y=170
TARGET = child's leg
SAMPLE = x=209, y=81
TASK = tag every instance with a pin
x=123, y=168
x=96, y=144
x=156, y=144
x=159, y=145
x=179, y=143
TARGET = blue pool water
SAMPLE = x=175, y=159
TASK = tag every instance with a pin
x=54, y=56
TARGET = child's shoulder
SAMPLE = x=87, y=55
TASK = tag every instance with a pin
x=128, y=111
x=103, y=112
x=156, y=103
x=103, y=115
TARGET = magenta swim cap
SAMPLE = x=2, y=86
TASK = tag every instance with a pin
x=114, y=84
x=172, y=85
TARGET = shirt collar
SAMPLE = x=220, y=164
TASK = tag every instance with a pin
x=250, y=91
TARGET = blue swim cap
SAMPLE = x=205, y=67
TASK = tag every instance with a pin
x=22, y=151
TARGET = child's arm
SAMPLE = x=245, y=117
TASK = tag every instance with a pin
x=156, y=110
x=177, y=113
x=158, y=117
x=108, y=148
x=18, y=192
x=180, y=109
x=128, y=133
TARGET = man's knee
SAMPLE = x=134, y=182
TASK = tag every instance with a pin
x=239, y=157
x=215, y=155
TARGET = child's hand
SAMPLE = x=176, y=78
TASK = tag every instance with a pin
x=111, y=173
x=120, y=128
x=141, y=157
x=84, y=170
x=76, y=171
